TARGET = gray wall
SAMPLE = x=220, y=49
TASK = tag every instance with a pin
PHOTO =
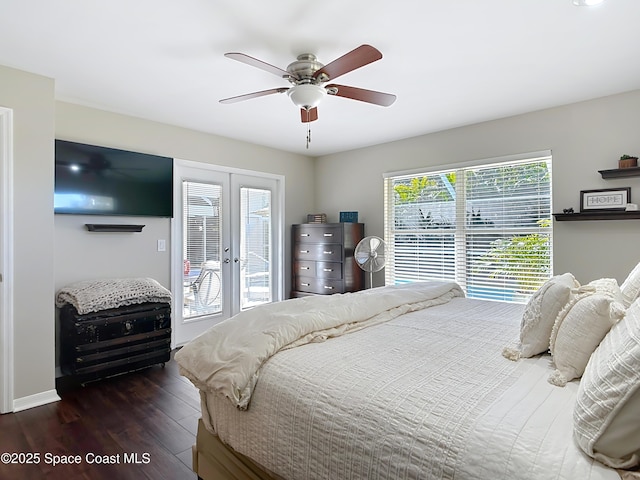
x=31, y=99
x=583, y=137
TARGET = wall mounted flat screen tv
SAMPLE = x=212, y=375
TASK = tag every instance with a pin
x=93, y=180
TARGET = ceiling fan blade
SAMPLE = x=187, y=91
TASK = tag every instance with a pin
x=359, y=57
x=249, y=96
x=310, y=115
x=369, y=96
x=254, y=62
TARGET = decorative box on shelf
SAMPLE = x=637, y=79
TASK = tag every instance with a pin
x=348, y=217
x=317, y=218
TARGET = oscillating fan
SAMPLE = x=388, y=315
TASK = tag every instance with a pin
x=369, y=255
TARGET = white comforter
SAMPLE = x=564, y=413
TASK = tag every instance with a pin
x=426, y=395
x=227, y=358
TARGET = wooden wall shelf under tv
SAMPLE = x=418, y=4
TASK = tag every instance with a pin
x=108, y=227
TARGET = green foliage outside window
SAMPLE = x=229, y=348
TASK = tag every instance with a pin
x=426, y=188
x=411, y=192
x=523, y=258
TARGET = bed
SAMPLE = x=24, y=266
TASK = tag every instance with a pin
x=397, y=382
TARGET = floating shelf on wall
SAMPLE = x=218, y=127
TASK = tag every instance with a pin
x=620, y=172
x=107, y=227
x=622, y=215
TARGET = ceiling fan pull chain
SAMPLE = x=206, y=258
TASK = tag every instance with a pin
x=308, y=135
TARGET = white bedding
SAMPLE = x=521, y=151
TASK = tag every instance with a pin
x=227, y=358
x=425, y=395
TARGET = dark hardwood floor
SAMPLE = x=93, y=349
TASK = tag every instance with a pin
x=135, y=426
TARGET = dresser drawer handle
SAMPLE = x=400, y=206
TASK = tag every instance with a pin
x=304, y=268
x=305, y=284
x=328, y=287
x=328, y=252
x=328, y=234
x=327, y=269
x=304, y=251
x=304, y=234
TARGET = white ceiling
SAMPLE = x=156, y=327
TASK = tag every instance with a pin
x=450, y=62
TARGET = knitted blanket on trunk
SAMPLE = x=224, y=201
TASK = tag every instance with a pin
x=95, y=295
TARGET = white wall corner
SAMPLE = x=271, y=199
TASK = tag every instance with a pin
x=35, y=400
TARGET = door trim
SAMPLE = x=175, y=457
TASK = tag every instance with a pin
x=6, y=261
x=176, y=229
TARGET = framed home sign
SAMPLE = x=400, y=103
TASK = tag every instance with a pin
x=607, y=199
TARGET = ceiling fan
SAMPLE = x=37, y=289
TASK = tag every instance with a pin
x=310, y=77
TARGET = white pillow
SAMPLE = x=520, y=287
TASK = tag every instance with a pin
x=540, y=314
x=606, y=415
x=581, y=326
x=631, y=286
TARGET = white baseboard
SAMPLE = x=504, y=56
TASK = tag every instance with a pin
x=35, y=400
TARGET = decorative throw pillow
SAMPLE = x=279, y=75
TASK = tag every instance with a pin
x=581, y=326
x=631, y=286
x=540, y=314
x=606, y=419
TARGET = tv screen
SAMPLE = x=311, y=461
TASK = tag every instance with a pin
x=93, y=180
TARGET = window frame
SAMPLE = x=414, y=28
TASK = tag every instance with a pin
x=462, y=231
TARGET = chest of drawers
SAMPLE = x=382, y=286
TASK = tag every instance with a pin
x=323, y=261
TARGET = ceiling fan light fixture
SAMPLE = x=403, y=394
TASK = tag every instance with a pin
x=587, y=3
x=306, y=96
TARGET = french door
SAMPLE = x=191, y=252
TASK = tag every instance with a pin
x=227, y=245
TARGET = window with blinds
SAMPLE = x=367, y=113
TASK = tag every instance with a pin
x=488, y=227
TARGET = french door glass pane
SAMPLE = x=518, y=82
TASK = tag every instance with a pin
x=202, y=282
x=255, y=247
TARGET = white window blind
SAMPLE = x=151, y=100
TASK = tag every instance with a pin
x=488, y=227
x=255, y=246
x=201, y=248
x=202, y=222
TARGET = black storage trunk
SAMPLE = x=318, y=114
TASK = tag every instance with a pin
x=118, y=340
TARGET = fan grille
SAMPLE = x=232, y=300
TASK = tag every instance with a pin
x=369, y=255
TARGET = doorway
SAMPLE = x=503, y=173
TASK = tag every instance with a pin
x=227, y=245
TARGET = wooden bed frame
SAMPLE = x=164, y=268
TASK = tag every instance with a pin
x=213, y=460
